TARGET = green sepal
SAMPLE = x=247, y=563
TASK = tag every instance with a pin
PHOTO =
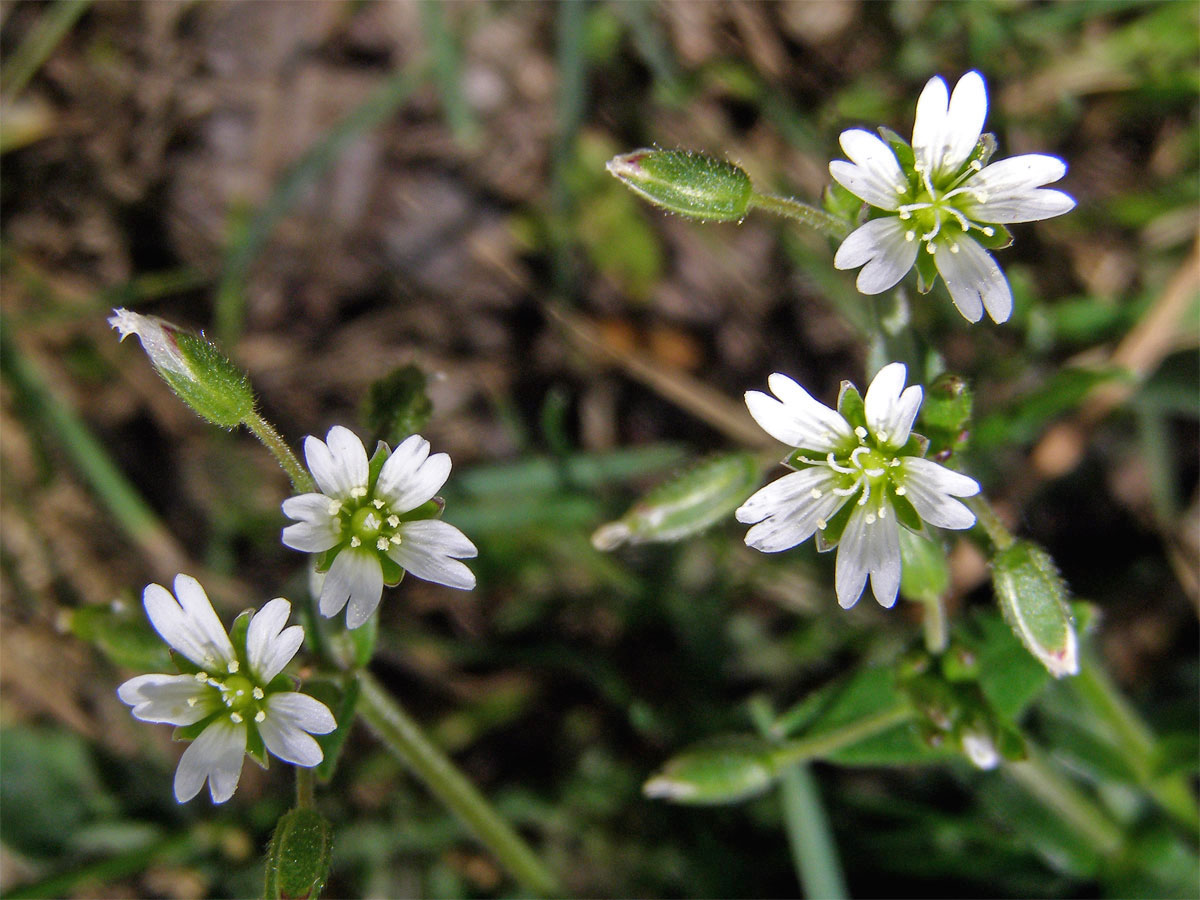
x=850, y=405
x=906, y=513
x=838, y=201
x=183, y=664
x=255, y=748
x=984, y=149
x=237, y=636
x=193, y=731
x=392, y=572
x=281, y=683
x=721, y=770
x=828, y=537
x=946, y=412
x=430, y=509
x=998, y=240
x=927, y=272
x=322, y=561
x=378, y=458
x=916, y=445
x=691, y=184
x=299, y=856
x=397, y=405
x=903, y=150
x=219, y=391
x=344, y=701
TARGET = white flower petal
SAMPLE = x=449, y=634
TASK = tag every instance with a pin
x=796, y=418
x=411, y=476
x=890, y=408
x=931, y=489
x=270, y=646
x=873, y=173
x=884, y=246
x=354, y=576
x=170, y=699
x=853, y=559
x=428, y=549
x=786, y=512
x=302, y=711
x=286, y=728
x=189, y=625
x=339, y=467
x=946, y=129
x=975, y=281
x=1011, y=190
x=885, y=560
x=317, y=529
x=216, y=755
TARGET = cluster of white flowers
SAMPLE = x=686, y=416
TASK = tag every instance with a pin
x=941, y=194
x=864, y=451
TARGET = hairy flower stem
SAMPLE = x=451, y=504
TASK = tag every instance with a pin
x=263, y=430
x=801, y=212
x=392, y=725
x=824, y=744
x=937, y=632
x=304, y=788
x=996, y=530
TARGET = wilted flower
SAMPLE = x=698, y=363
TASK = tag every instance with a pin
x=864, y=451
x=941, y=194
x=231, y=698
x=374, y=520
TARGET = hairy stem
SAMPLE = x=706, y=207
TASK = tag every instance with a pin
x=996, y=530
x=800, y=212
x=831, y=741
x=1074, y=807
x=302, y=482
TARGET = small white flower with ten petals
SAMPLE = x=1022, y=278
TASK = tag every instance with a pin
x=864, y=451
x=230, y=700
x=373, y=520
x=941, y=194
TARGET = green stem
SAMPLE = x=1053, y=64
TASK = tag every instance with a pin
x=810, y=836
x=263, y=430
x=1135, y=741
x=392, y=725
x=996, y=530
x=793, y=209
x=823, y=744
x=305, y=793
x=1058, y=794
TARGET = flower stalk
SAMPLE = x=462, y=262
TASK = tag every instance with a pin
x=798, y=211
x=392, y=725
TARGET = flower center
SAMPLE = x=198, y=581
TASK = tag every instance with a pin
x=936, y=216
x=371, y=524
x=240, y=695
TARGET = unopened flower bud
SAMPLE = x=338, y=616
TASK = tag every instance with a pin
x=979, y=747
x=300, y=855
x=687, y=183
x=195, y=369
x=686, y=504
x=722, y=770
x=1033, y=598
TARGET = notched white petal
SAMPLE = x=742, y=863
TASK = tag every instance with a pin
x=883, y=245
x=975, y=281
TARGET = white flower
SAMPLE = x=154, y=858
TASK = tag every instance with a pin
x=374, y=523
x=947, y=200
x=158, y=338
x=865, y=452
x=230, y=700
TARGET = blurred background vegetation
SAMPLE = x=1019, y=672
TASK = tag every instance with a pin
x=335, y=190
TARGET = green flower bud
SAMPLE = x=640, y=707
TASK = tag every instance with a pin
x=195, y=369
x=687, y=183
x=721, y=770
x=685, y=505
x=299, y=856
x=1033, y=598
x=946, y=413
